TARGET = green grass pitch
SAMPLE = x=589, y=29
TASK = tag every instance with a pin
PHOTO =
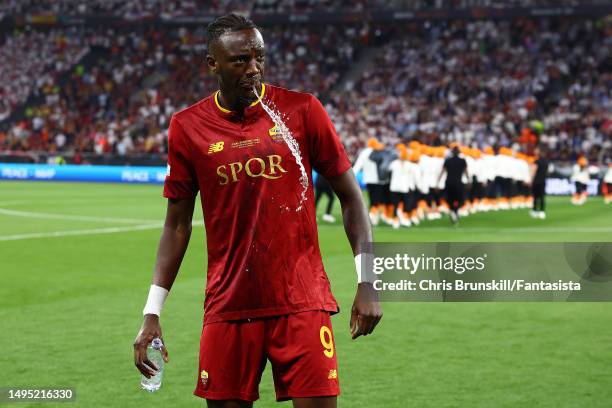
x=76, y=261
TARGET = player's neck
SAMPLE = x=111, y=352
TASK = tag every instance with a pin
x=229, y=100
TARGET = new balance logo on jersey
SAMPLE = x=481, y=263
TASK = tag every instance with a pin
x=215, y=147
x=332, y=375
x=268, y=168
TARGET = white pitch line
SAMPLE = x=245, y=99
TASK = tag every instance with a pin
x=28, y=214
x=12, y=202
x=94, y=231
x=56, y=234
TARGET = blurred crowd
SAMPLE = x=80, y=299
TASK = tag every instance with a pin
x=121, y=101
x=175, y=8
x=485, y=83
x=481, y=83
x=32, y=62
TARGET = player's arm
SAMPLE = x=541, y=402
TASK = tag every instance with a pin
x=174, y=240
x=533, y=168
x=172, y=246
x=366, y=311
x=442, y=173
x=359, y=163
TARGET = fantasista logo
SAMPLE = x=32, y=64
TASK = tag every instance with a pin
x=269, y=168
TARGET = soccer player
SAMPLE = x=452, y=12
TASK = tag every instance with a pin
x=400, y=186
x=455, y=168
x=267, y=295
x=373, y=184
x=427, y=169
x=580, y=176
x=539, y=171
x=480, y=181
x=410, y=211
x=489, y=160
x=383, y=158
x=607, y=185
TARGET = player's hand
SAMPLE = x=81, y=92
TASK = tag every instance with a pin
x=366, y=311
x=150, y=329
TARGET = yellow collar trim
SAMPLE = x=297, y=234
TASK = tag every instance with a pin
x=222, y=109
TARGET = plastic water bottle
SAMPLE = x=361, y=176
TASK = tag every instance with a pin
x=154, y=355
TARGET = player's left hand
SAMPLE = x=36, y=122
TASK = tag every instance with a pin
x=366, y=311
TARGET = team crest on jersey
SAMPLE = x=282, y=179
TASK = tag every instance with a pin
x=275, y=134
x=216, y=147
x=273, y=131
x=204, y=378
x=333, y=374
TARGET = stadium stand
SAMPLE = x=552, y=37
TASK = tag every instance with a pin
x=32, y=61
x=110, y=90
x=189, y=7
x=483, y=83
x=120, y=101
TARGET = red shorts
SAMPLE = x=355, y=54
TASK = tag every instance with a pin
x=300, y=347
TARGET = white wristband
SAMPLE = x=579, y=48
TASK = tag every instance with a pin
x=362, y=275
x=155, y=301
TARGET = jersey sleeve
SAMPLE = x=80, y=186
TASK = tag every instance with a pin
x=181, y=181
x=327, y=154
x=361, y=159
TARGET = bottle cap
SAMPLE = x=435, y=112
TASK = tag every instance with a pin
x=157, y=343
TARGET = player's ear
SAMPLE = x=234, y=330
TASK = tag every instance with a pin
x=212, y=63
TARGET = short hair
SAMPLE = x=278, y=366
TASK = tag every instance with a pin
x=225, y=24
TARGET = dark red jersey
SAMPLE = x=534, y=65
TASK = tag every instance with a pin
x=263, y=255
